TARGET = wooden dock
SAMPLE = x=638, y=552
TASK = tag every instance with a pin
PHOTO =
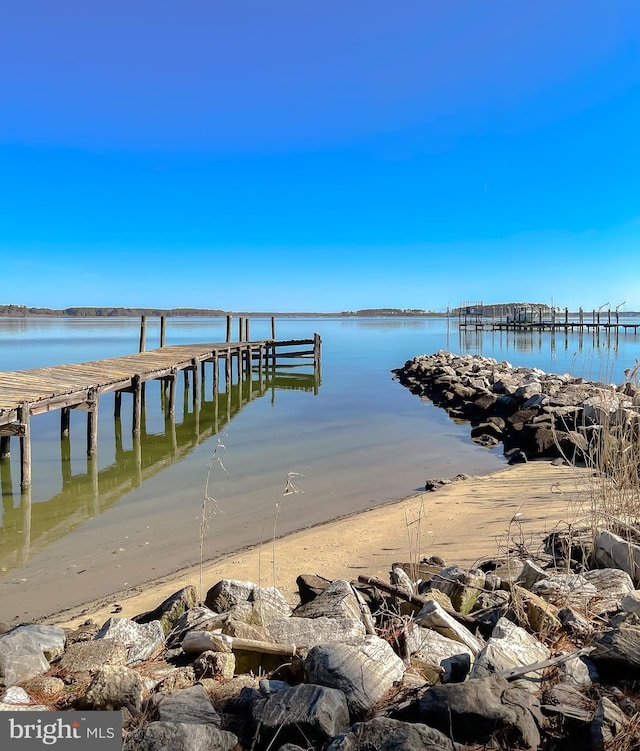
x=28, y=393
x=531, y=318
x=83, y=494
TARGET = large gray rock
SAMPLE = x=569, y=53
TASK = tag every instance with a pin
x=308, y=632
x=510, y=646
x=140, y=639
x=608, y=721
x=462, y=585
x=433, y=616
x=114, y=687
x=363, y=670
x=171, y=609
x=305, y=713
x=337, y=601
x=620, y=644
x=385, y=734
x=26, y=651
x=612, y=585
x=452, y=656
x=89, y=656
x=566, y=590
x=199, y=618
x=482, y=709
x=612, y=551
x=631, y=602
x=265, y=604
x=180, y=736
x=188, y=705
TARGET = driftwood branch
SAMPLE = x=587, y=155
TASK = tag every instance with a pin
x=418, y=600
x=198, y=642
x=514, y=673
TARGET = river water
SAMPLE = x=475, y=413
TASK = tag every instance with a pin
x=356, y=440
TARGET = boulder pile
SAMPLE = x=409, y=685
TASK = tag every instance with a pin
x=532, y=413
x=521, y=652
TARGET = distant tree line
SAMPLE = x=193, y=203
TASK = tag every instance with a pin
x=22, y=311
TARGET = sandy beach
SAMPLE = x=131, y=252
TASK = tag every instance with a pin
x=462, y=522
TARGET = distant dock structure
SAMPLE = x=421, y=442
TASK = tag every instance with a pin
x=25, y=394
x=526, y=317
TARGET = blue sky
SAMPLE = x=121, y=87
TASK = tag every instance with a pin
x=320, y=156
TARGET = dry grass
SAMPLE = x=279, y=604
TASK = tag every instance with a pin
x=612, y=430
x=208, y=509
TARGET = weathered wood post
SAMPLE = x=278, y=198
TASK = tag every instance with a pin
x=566, y=316
x=92, y=423
x=316, y=351
x=195, y=394
x=228, y=328
x=143, y=334
x=581, y=317
x=65, y=419
x=117, y=404
x=24, y=417
x=163, y=330
x=227, y=370
x=137, y=405
x=214, y=374
x=240, y=328
x=609, y=317
x=246, y=330
x=553, y=318
x=5, y=446
x=272, y=349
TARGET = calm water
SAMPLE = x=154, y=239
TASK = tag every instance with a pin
x=88, y=528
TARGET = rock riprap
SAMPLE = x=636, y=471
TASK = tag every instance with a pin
x=532, y=413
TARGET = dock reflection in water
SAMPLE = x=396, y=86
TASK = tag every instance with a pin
x=29, y=527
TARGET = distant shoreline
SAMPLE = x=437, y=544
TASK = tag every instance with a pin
x=22, y=311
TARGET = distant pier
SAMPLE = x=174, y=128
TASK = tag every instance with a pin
x=531, y=318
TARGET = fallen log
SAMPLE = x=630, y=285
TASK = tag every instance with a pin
x=197, y=642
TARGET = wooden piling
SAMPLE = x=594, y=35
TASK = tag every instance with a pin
x=317, y=341
x=163, y=330
x=240, y=328
x=229, y=322
x=24, y=417
x=92, y=425
x=143, y=334
x=273, y=327
x=5, y=447
x=137, y=405
x=65, y=420
x=117, y=404
x=214, y=374
x=195, y=394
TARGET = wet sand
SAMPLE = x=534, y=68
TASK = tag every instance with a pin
x=462, y=522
